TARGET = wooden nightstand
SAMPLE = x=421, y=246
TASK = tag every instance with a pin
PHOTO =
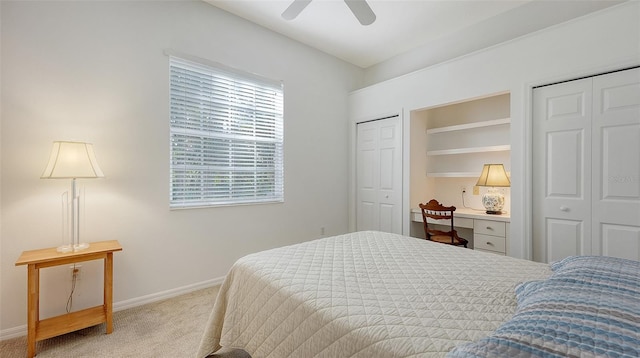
x=55, y=326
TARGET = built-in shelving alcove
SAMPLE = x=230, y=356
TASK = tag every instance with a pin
x=450, y=143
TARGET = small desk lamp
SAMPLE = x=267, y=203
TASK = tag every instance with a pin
x=493, y=175
x=72, y=160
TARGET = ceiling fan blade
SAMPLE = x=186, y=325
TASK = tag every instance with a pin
x=295, y=9
x=362, y=11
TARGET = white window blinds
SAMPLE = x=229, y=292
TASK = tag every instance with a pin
x=226, y=137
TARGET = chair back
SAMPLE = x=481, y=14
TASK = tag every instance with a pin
x=434, y=210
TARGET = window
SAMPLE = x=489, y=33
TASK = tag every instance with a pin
x=226, y=137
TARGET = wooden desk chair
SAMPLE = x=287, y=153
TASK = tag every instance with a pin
x=434, y=210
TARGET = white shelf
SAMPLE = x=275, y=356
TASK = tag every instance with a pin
x=454, y=175
x=493, y=148
x=457, y=174
x=460, y=127
x=461, y=137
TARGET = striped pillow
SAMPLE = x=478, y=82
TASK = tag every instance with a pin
x=590, y=306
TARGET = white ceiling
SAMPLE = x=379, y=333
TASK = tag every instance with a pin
x=401, y=25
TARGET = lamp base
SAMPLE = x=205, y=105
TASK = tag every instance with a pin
x=64, y=249
x=493, y=201
x=81, y=246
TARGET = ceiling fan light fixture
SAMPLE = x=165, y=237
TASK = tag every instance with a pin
x=360, y=9
x=293, y=10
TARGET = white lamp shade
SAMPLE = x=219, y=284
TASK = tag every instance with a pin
x=70, y=160
x=493, y=175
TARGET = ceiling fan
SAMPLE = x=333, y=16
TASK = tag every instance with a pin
x=359, y=8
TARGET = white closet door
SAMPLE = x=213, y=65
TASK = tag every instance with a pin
x=562, y=170
x=379, y=175
x=616, y=164
x=586, y=164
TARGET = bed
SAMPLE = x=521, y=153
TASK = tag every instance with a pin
x=374, y=294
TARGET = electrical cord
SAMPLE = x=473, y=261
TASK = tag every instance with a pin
x=73, y=288
x=465, y=205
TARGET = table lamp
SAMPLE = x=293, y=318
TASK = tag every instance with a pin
x=72, y=160
x=493, y=175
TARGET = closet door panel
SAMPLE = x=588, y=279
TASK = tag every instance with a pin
x=390, y=175
x=616, y=161
x=379, y=175
x=565, y=178
x=568, y=239
x=562, y=170
x=621, y=241
x=366, y=169
x=619, y=167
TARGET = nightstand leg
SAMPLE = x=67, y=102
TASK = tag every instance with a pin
x=108, y=290
x=33, y=309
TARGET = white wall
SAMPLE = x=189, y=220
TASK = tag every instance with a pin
x=602, y=41
x=95, y=71
x=500, y=28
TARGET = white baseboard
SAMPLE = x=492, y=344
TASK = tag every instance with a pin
x=154, y=297
x=13, y=332
x=131, y=303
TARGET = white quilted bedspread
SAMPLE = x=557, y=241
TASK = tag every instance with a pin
x=365, y=294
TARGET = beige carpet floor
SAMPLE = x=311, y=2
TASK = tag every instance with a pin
x=171, y=328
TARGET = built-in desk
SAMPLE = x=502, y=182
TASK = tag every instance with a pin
x=490, y=232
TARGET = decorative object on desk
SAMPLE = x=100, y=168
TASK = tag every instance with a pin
x=436, y=211
x=493, y=175
x=72, y=160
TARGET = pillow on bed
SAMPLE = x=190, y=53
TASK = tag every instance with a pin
x=589, y=306
x=609, y=266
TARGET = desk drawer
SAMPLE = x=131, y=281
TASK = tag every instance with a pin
x=490, y=252
x=488, y=227
x=489, y=243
